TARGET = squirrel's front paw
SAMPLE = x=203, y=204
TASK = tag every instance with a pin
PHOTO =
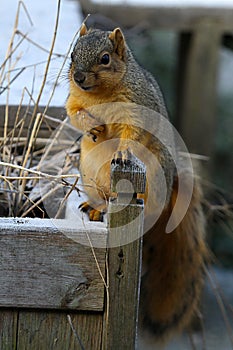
x=93, y=214
x=87, y=122
x=123, y=157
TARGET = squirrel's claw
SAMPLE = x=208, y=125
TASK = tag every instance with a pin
x=94, y=214
x=96, y=131
x=122, y=158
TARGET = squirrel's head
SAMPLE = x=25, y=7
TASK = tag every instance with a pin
x=98, y=60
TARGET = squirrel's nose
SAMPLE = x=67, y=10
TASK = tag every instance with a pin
x=79, y=77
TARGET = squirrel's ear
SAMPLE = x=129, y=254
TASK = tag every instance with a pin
x=118, y=40
x=83, y=30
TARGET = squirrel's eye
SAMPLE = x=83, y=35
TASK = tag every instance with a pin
x=105, y=59
x=72, y=57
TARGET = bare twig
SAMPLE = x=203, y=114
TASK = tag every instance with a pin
x=63, y=64
x=47, y=65
x=42, y=199
x=61, y=206
x=75, y=332
x=25, y=36
x=39, y=173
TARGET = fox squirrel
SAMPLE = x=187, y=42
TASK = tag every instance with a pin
x=106, y=86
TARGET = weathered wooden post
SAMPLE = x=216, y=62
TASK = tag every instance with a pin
x=125, y=226
x=198, y=90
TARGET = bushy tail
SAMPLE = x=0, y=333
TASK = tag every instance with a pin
x=174, y=270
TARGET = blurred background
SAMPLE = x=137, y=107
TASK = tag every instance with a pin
x=187, y=45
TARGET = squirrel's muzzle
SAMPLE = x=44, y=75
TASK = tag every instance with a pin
x=79, y=77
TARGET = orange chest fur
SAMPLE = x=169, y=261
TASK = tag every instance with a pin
x=79, y=99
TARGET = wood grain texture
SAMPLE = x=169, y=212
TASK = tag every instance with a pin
x=125, y=220
x=40, y=330
x=129, y=179
x=42, y=268
x=8, y=329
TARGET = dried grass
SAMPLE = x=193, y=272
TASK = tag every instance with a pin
x=25, y=151
x=23, y=148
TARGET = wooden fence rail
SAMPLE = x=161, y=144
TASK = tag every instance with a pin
x=59, y=294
